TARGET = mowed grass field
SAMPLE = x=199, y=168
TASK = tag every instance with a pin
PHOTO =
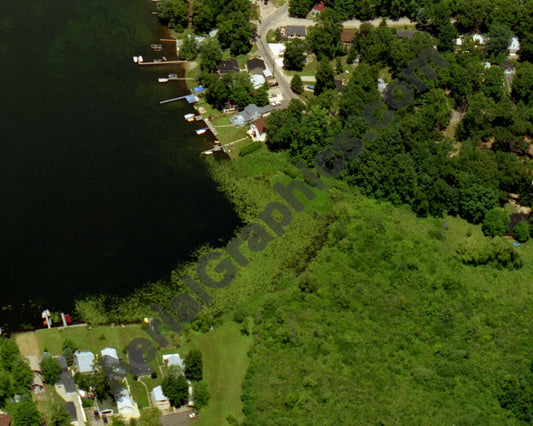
x=225, y=364
x=94, y=339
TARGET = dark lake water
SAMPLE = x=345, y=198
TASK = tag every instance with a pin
x=102, y=189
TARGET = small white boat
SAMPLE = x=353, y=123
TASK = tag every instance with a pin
x=189, y=117
x=162, y=80
x=140, y=59
x=208, y=152
x=172, y=76
x=202, y=131
x=135, y=59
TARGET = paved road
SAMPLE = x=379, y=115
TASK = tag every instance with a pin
x=262, y=47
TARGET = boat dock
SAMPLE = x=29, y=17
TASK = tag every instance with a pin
x=162, y=63
x=166, y=101
x=211, y=127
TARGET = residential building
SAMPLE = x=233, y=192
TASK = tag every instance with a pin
x=347, y=37
x=255, y=66
x=318, y=8
x=84, y=361
x=514, y=46
x=230, y=65
x=5, y=420
x=159, y=399
x=126, y=406
x=405, y=33
x=110, y=352
x=173, y=359
x=508, y=67
x=250, y=113
x=258, y=130
x=293, y=31
x=257, y=80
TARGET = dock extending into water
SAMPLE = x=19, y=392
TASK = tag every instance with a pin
x=162, y=63
x=166, y=101
x=211, y=127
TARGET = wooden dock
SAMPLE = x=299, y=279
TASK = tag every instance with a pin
x=166, y=101
x=162, y=63
x=211, y=127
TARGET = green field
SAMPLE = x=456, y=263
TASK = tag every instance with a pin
x=225, y=363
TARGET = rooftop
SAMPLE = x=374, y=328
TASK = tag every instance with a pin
x=228, y=66
x=255, y=66
x=295, y=30
x=319, y=6
x=406, y=33
x=84, y=361
x=260, y=125
x=5, y=420
x=158, y=395
x=347, y=36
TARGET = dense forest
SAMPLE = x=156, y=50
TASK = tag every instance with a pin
x=409, y=157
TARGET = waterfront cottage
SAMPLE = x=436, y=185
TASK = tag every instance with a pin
x=258, y=130
x=250, y=113
x=230, y=65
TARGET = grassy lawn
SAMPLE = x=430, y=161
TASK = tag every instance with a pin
x=309, y=69
x=225, y=363
x=94, y=339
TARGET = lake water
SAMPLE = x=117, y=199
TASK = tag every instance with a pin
x=102, y=189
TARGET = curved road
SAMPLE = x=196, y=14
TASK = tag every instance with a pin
x=266, y=53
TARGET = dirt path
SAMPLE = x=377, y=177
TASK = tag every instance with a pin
x=28, y=344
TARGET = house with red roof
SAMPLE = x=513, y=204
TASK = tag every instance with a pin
x=318, y=8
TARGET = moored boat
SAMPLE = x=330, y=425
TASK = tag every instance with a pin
x=162, y=80
x=202, y=131
x=189, y=117
x=135, y=59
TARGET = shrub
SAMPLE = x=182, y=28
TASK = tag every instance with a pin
x=496, y=251
x=496, y=223
x=250, y=148
x=521, y=231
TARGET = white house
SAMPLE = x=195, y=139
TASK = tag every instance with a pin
x=278, y=49
x=84, y=361
x=258, y=130
x=126, y=407
x=479, y=38
x=173, y=359
x=159, y=399
x=257, y=80
x=110, y=352
x=514, y=46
